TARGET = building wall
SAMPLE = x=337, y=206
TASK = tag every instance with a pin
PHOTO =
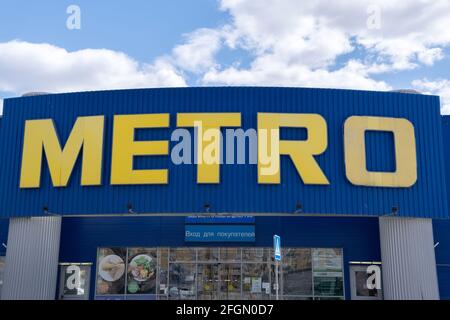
x=359, y=237
x=4, y=223
x=441, y=230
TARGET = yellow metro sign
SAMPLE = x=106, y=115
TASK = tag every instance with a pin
x=88, y=133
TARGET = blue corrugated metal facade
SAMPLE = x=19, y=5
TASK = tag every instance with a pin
x=238, y=190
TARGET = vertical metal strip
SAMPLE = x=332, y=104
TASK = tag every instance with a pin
x=408, y=259
x=32, y=259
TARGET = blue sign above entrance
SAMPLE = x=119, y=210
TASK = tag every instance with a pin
x=219, y=233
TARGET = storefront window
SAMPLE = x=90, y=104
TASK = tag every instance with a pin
x=255, y=254
x=208, y=254
x=297, y=272
x=328, y=273
x=207, y=281
x=256, y=281
x=111, y=272
x=359, y=277
x=141, y=271
x=230, y=281
x=361, y=285
x=218, y=273
x=183, y=254
x=182, y=281
x=163, y=273
x=74, y=281
x=230, y=254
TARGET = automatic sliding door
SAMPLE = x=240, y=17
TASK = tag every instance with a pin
x=208, y=281
x=230, y=281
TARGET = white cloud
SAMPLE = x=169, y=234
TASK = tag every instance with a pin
x=28, y=67
x=428, y=57
x=197, y=54
x=440, y=87
x=317, y=43
x=1, y=106
x=267, y=72
x=298, y=43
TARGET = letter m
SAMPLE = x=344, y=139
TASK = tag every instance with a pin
x=40, y=135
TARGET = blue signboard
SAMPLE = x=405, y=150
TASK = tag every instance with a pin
x=219, y=233
x=116, y=152
x=277, y=247
x=219, y=220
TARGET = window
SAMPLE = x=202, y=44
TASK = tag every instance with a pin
x=297, y=272
x=182, y=281
x=141, y=271
x=74, y=281
x=218, y=273
x=359, y=276
x=328, y=273
x=110, y=282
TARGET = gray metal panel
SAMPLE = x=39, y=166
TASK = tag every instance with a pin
x=32, y=259
x=409, y=264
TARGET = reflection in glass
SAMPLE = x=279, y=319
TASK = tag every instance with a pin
x=328, y=286
x=297, y=273
x=208, y=254
x=255, y=254
x=182, y=281
x=163, y=262
x=230, y=281
x=74, y=280
x=361, y=285
x=328, y=272
x=182, y=254
x=327, y=260
x=208, y=281
x=230, y=254
x=255, y=281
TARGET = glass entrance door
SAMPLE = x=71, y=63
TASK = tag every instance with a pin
x=216, y=281
x=230, y=281
x=208, y=281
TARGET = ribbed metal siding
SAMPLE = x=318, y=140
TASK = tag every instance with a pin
x=408, y=258
x=32, y=258
x=238, y=190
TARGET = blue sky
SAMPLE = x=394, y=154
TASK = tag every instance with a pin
x=123, y=44
x=142, y=29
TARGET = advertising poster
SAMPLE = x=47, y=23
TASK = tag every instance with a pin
x=111, y=271
x=141, y=271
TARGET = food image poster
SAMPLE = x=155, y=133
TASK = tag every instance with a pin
x=141, y=271
x=111, y=271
